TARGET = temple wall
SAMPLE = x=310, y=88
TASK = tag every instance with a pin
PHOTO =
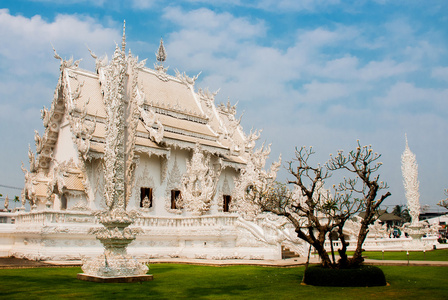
x=6, y=238
x=157, y=173
x=147, y=175
x=226, y=185
x=63, y=235
x=65, y=148
x=95, y=175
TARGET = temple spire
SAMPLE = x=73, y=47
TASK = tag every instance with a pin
x=409, y=169
x=123, y=40
x=161, y=53
x=406, y=138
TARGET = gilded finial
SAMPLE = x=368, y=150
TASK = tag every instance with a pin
x=161, y=54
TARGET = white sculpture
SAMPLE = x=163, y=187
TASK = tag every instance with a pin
x=119, y=168
x=409, y=169
x=6, y=204
x=253, y=176
x=199, y=183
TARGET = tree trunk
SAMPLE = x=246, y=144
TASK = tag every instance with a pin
x=357, y=258
x=343, y=261
x=323, y=254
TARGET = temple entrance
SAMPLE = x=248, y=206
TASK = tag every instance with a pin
x=226, y=203
x=63, y=202
x=175, y=195
x=145, y=197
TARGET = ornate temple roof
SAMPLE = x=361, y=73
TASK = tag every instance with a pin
x=187, y=117
x=161, y=111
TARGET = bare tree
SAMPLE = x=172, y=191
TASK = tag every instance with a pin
x=318, y=213
x=444, y=203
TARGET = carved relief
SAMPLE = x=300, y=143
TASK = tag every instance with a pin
x=224, y=190
x=145, y=180
x=28, y=192
x=174, y=183
x=199, y=183
x=61, y=174
x=252, y=175
x=97, y=178
x=230, y=126
x=163, y=168
x=114, y=162
x=149, y=119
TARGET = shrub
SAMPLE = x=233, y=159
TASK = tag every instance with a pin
x=361, y=276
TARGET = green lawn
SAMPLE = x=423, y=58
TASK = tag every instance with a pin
x=434, y=255
x=172, y=281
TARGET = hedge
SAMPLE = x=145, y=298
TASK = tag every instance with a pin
x=362, y=276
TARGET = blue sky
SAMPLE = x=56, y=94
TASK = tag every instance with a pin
x=311, y=72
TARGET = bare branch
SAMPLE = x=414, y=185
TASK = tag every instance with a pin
x=315, y=211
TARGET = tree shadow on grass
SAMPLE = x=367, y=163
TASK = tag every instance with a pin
x=226, y=290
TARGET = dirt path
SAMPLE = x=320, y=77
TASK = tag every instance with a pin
x=15, y=263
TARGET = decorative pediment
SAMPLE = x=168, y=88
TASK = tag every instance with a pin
x=185, y=79
x=150, y=121
x=67, y=177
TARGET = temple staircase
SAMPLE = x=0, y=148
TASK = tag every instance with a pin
x=287, y=253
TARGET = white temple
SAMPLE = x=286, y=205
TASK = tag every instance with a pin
x=187, y=166
x=187, y=169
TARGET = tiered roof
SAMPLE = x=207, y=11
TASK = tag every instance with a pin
x=170, y=114
x=176, y=105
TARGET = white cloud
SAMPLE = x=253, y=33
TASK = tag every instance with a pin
x=440, y=73
x=318, y=91
x=29, y=71
x=275, y=5
x=323, y=37
x=29, y=40
x=29, y=74
x=384, y=69
x=308, y=71
x=143, y=4
x=409, y=97
x=293, y=5
x=69, y=2
x=342, y=68
x=204, y=19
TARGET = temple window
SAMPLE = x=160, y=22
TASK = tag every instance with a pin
x=145, y=197
x=226, y=203
x=63, y=202
x=175, y=195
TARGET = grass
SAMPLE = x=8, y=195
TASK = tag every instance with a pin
x=173, y=281
x=434, y=255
